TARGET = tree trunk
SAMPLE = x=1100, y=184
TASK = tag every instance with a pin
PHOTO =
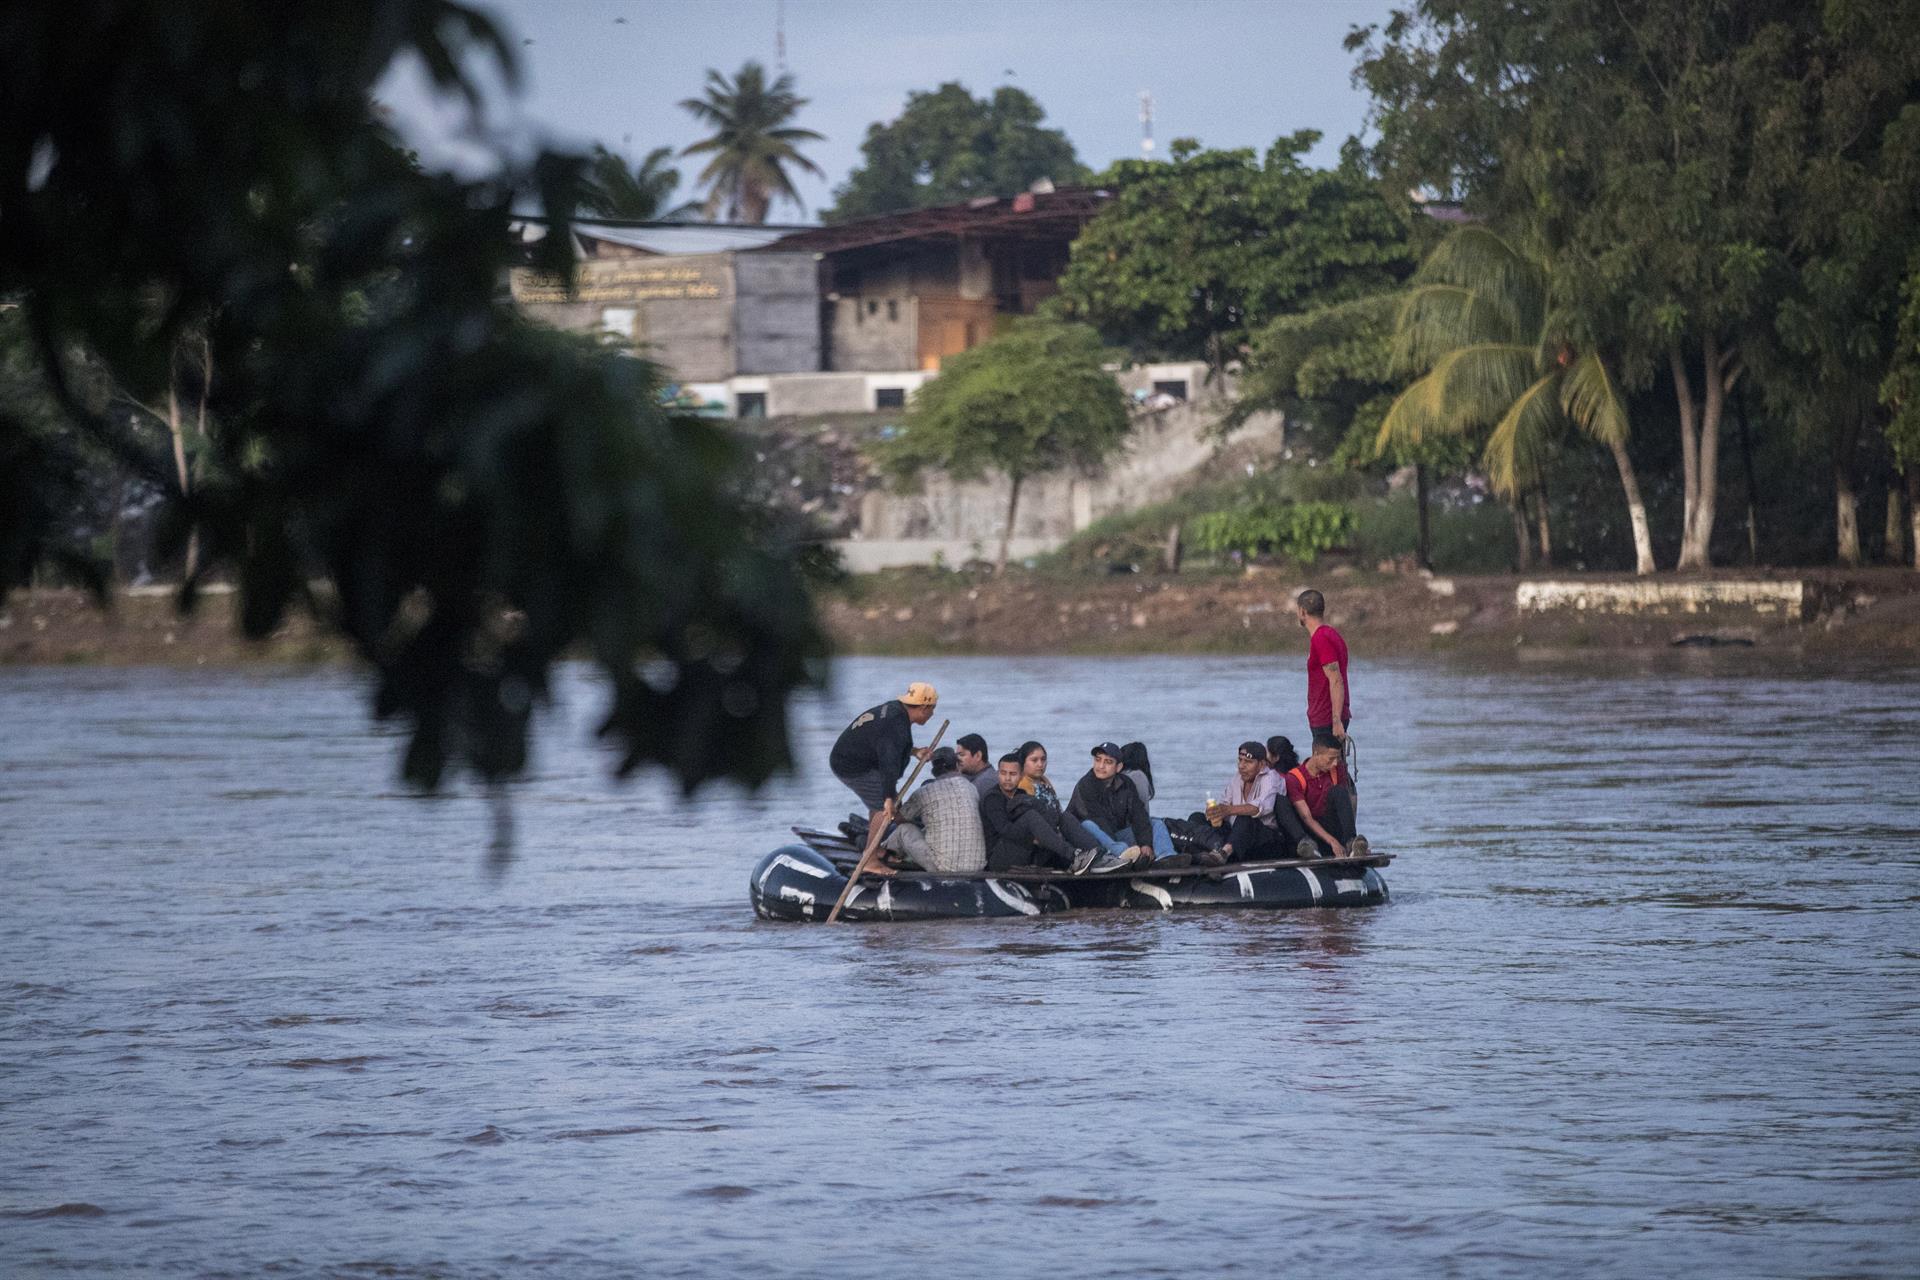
x=1542, y=522
x=1170, y=554
x=1896, y=551
x=1423, y=537
x=178, y=430
x=1522, y=540
x=1006, y=533
x=1689, y=447
x=1636, y=510
x=1846, y=515
x=1753, y=486
x=1702, y=450
x=1913, y=513
x=116, y=524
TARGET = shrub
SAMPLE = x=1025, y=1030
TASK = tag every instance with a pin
x=1299, y=531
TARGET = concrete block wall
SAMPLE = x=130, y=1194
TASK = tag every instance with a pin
x=1170, y=449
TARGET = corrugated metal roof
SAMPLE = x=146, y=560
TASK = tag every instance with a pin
x=667, y=237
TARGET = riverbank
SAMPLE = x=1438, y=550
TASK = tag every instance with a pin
x=1872, y=612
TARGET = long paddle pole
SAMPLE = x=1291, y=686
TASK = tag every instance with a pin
x=880, y=828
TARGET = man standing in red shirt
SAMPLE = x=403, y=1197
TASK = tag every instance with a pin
x=1326, y=669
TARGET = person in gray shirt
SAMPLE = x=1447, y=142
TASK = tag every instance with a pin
x=940, y=822
x=974, y=765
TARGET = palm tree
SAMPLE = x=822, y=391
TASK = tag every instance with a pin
x=1479, y=323
x=752, y=143
x=613, y=189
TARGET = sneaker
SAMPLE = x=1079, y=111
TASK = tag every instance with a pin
x=1359, y=848
x=1210, y=858
x=1139, y=856
x=1082, y=860
x=1173, y=862
x=1107, y=862
x=1306, y=850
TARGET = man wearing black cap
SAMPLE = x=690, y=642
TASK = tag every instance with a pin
x=1108, y=804
x=1252, y=830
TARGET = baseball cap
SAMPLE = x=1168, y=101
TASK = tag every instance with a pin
x=919, y=694
x=1108, y=749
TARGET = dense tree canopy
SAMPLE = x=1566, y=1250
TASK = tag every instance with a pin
x=1721, y=190
x=1196, y=253
x=949, y=146
x=462, y=495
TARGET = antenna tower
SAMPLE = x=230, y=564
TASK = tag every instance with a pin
x=780, y=34
x=1146, y=125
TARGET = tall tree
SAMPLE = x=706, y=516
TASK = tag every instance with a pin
x=1852, y=221
x=1037, y=398
x=1483, y=328
x=1638, y=142
x=1194, y=254
x=613, y=188
x=1900, y=393
x=948, y=146
x=752, y=146
x=478, y=496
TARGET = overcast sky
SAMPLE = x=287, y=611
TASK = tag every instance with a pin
x=1232, y=73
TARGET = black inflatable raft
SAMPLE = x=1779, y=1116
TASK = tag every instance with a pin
x=801, y=882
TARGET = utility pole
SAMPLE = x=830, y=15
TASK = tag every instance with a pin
x=1146, y=125
x=780, y=34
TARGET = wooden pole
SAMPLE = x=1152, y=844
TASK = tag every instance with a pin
x=880, y=827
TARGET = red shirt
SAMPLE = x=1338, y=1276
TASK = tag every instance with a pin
x=1324, y=646
x=1302, y=785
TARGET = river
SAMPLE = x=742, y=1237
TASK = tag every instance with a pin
x=1645, y=1000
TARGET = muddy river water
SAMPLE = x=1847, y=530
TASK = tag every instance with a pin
x=1646, y=999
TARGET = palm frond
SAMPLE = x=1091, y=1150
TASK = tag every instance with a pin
x=1478, y=258
x=1519, y=440
x=1591, y=398
x=1477, y=384
x=1436, y=318
x=1413, y=417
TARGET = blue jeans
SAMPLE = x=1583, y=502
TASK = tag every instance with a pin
x=1162, y=840
x=1107, y=842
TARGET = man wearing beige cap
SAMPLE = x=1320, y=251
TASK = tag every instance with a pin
x=873, y=751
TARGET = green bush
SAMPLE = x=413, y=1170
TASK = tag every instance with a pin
x=1299, y=531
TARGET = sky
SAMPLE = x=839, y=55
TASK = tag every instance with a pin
x=1233, y=73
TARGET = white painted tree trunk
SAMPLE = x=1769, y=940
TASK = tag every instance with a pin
x=1636, y=511
x=1846, y=516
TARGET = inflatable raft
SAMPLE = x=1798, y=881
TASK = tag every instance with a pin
x=801, y=882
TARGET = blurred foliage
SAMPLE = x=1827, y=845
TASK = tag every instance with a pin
x=1300, y=532
x=1197, y=252
x=948, y=146
x=462, y=495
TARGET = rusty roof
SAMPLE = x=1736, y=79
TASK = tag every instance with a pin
x=1050, y=215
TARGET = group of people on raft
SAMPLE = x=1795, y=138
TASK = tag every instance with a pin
x=971, y=817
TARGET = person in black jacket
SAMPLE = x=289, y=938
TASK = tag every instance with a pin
x=872, y=752
x=1108, y=804
x=1020, y=832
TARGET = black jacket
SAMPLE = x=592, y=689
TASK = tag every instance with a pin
x=880, y=740
x=1015, y=825
x=1114, y=806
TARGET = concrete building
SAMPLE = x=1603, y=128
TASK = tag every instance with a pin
x=758, y=321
